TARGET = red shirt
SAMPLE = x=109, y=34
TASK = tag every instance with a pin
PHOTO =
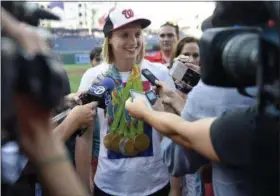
x=156, y=58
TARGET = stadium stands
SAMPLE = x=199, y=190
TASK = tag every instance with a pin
x=69, y=44
x=75, y=44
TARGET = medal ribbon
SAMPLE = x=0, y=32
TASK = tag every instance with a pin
x=118, y=117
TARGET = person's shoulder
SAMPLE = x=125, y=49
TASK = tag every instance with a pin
x=97, y=70
x=241, y=118
x=241, y=112
x=159, y=70
x=238, y=115
x=91, y=75
x=155, y=55
x=153, y=66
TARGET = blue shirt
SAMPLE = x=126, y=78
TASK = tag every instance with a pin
x=208, y=101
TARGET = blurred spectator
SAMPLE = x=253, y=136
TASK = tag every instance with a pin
x=95, y=59
x=95, y=56
x=168, y=36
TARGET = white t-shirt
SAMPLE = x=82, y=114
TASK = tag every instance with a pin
x=135, y=176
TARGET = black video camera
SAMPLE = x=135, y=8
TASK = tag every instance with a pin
x=232, y=56
x=41, y=76
x=242, y=49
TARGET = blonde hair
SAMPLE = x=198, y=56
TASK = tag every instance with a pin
x=108, y=55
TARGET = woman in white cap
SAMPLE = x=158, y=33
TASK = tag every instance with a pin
x=130, y=161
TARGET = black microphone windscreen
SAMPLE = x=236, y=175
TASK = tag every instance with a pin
x=34, y=11
x=44, y=14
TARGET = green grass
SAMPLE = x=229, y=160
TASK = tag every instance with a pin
x=74, y=82
x=75, y=78
x=76, y=67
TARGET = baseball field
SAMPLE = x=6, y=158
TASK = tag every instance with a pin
x=75, y=73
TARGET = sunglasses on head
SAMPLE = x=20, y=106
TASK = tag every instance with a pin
x=173, y=24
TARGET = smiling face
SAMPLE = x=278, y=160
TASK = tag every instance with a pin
x=127, y=42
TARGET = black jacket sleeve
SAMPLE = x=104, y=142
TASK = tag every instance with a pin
x=244, y=139
x=248, y=141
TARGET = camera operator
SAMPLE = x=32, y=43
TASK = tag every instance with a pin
x=237, y=140
x=215, y=139
x=204, y=101
x=79, y=116
x=44, y=150
x=185, y=54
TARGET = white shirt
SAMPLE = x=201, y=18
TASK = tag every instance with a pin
x=135, y=176
x=12, y=162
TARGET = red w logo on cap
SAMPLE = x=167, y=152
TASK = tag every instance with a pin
x=128, y=13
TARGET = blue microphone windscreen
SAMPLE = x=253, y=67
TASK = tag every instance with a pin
x=109, y=83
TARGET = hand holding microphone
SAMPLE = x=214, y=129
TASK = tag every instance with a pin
x=82, y=106
x=83, y=115
x=73, y=99
x=75, y=121
x=166, y=94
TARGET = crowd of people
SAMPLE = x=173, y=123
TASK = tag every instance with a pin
x=127, y=149
x=172, y=48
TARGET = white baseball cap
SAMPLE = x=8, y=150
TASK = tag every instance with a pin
x=120, y=17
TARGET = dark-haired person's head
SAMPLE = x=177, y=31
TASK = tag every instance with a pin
x=206, y=24
x=169, y=35
x=188, y=46
x=230, y=13
x=95, y=56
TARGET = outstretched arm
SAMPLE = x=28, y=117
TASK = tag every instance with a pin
x=193, y=135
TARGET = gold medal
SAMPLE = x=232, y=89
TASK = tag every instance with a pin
x=141, y=142
x=121, y=146
x=115, y=143
x=134, y=153
x=129, y=148
x=108, y=140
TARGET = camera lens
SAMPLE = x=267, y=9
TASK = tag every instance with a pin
x=240, y=56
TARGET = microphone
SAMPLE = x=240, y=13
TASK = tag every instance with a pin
x=33, y=13
x=109, y=82
x=99, y=92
